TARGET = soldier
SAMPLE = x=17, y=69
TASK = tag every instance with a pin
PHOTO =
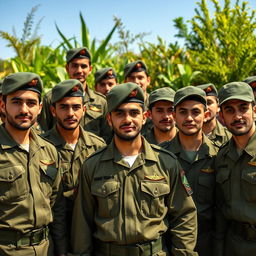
x=235, y=173
x=79, y=67
x=72, y=142
x=30, y=189
x=251, y=80
x=212, y=128
x=131, y=199
x=196, y=155
x=105, y=80
x=160, y=111
x=1, y=114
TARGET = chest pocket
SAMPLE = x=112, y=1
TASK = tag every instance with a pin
x=152, y=200
x=223, y=183
x=249, y=183
x=205, y=190
x=48, y=175
x=13, y=184
x=107, y=196
x=67, y=178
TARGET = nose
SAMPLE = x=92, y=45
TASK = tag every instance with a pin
x=70, y=112
x=24, y=108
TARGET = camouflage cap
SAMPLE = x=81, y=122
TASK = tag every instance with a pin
x=165, y=93
x=236, y=91
x=136, y=66
x=67, y=88
x=22, y=81
x=190, y=93
x=127, y=92
x=104, y=73
x=78, y=53
x=1, y=82
x=209, y=89
x=251, y=80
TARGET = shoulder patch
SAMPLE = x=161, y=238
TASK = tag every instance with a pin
x=185, y=183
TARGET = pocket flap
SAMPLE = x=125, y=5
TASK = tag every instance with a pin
x=10, y=174
x=222, y=175
x=155, y=189
x=50, y=171
x=104, y=189
x=206, y=180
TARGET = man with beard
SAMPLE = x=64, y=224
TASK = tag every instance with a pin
x=196, y=155
x=31, y=197
x=79, y=67
x=131, y=199
x=160, y=111
x=212, y=128
x=72, y=142
x=236, y=173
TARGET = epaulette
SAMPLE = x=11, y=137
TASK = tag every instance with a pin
x=98, y=151
x=160, y=149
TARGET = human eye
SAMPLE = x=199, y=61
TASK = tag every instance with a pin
x=76, y=107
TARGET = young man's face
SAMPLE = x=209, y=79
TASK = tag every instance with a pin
x=105, y=85
x=161, y=115
x=127, y=120
x=212, y=106
x=238, y=116
x=189, y=116
x=79, y=69
x=139, y=78
x=21, y=109
x=68, y=112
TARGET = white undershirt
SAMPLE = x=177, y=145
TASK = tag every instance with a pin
x=130, y=159
x=25, y=146
x=72, y=146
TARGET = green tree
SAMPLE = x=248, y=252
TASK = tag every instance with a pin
x=221, y=46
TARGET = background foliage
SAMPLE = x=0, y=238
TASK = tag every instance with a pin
x=219, y=47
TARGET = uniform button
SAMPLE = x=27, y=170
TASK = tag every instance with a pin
x=104, y=191
x=10, y=176
x=156, y=191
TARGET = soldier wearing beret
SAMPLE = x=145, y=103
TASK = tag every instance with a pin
x=131, y=199
x=160, y=111
x=105, y=80
x=79, y=67
x=196, y=155
x=212, y=128
x=30, y=189
x=236, y=173
x=72, y=142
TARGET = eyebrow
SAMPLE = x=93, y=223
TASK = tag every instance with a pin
x=22, y=99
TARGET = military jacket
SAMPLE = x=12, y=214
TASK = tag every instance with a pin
x=30, y=187
x=94, y=119
x=71, y=160
x=150, y=136
x=128, y=205
x=220, y=135
x=236, y=195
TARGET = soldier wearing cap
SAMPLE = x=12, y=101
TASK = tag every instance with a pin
x=72, y=142
x=131, y=199
x=236, y=173
x=105, y=80
x=196, y=155
x=160, y=111
x=212, y=128
x=79, y=67
x=30, y=189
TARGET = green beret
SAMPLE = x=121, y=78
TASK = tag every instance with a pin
x=165, y=93
x=190, y=93
x=22, y=81
x=104, y=73
x=1, y=82
x=136, y=66
x=78, y=53
x=251, y=80
x=209, y=89
x=127, y=92
x=236, y=91
x=67, y=88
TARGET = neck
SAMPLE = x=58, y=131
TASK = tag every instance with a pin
x=242, y=141
x=191, y=143
x=85, y=85
x=20, y=136
x=208, y=127
x=129, y=148
x=70, y=136
x=164, y=136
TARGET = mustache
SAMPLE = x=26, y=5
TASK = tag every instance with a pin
x=70, y=119
x=22, y=115
x=237, y=122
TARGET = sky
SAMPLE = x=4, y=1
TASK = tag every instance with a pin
x=151, y=16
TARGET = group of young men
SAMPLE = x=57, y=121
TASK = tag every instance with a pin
x=169, y=173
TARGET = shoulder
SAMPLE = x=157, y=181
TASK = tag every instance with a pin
x=163, y=152
x=93, y=137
